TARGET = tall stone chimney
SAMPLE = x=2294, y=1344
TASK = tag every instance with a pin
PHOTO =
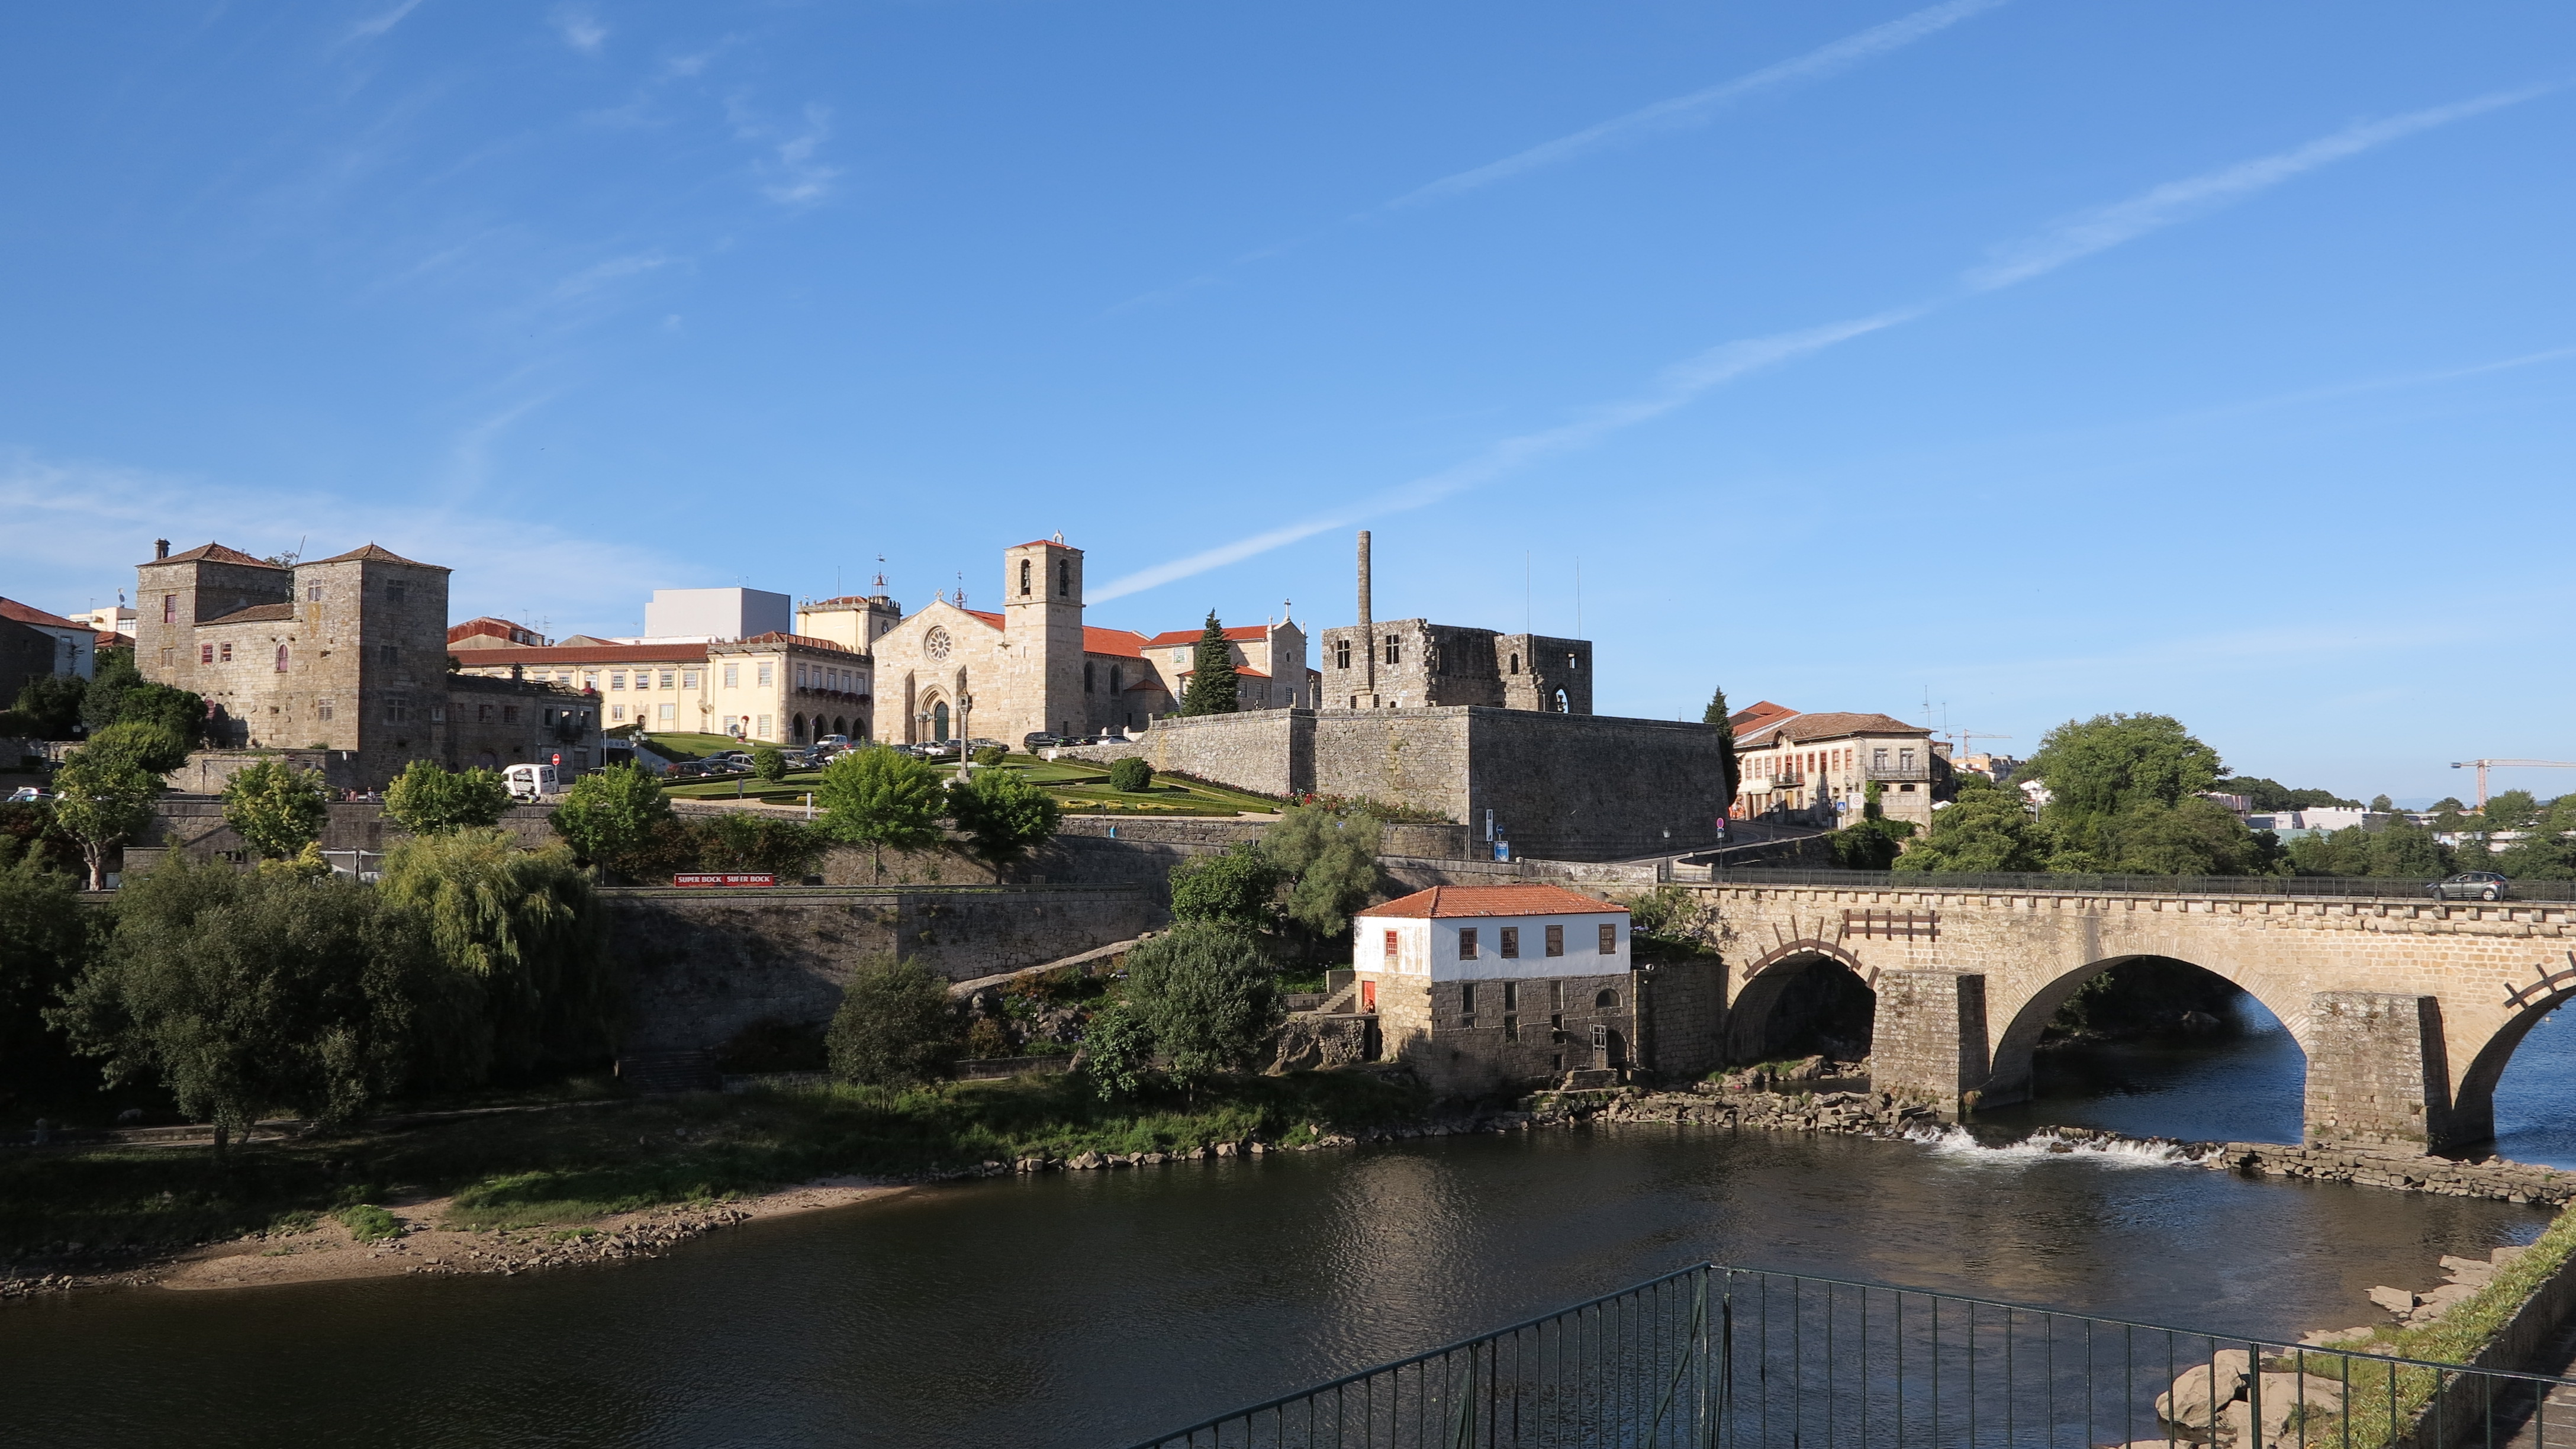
x=161, y=548
x=1368, y=639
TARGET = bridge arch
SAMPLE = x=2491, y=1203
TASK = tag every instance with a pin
x=2009, y=1071
x=2473, y=1103
x=1796, y=993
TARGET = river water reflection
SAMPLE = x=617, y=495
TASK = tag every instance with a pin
x=1092, y=1308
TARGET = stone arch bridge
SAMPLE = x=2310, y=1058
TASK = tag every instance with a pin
x=2407, y=1010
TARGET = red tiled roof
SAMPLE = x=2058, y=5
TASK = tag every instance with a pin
x=802, y=641
x=488, y=627
x=1124, y=643
x=990, y=620
x=1798, y=729
x=1759, y=713
x=16, y=612
x=1192, y=636
x=109, y=641
x=589, y=654
x=1510, y=900
x=370, y=553
x=1148, y=686
x=211, y=553
x=1048, y=543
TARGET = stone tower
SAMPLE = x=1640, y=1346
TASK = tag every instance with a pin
x=1042, y=637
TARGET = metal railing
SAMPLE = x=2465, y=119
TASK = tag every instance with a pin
x=2047, y=883
x=1714, y=1357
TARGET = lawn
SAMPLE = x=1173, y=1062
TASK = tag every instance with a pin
x=1080, y=787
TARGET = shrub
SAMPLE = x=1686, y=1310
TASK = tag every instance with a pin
x=768, y=763
x=1330, y=859
x=992, y=755
x=745, y=840
x=1130, y=775
x=367, y=1223
x=1117, y=1051
x=1235, y=887
x=277, y=809
x=1004, y=816
x=620, y=820
x=151, y=745
x=428, y=800
x=1207, y=998
x=894, y=1028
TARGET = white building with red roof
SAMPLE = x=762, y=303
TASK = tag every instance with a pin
x=1481, y=987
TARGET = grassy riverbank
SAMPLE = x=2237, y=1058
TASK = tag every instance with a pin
x=578, y=1162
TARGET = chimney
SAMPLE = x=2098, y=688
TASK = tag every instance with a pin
x=160, y=548
x=1368, y=639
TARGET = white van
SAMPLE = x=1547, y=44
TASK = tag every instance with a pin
x=533, y=782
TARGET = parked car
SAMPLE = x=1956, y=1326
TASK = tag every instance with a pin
x=530, y=783
x=28, y=795
x=2472, y=885
x=1036, y=740
x=838, y=742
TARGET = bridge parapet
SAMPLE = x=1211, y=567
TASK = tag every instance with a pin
x=2407, y=1009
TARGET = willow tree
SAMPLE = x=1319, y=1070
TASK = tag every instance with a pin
x=523, y=927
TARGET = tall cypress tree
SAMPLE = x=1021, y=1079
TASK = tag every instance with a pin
x=1716, y=719
x=1212, y=682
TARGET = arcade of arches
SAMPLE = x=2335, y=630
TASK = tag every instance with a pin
x=2407, y=1012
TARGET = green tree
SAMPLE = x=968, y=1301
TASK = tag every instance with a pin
x=1130, y=775
x=894, y=1026
x=2382, y=804
x=149, y=745
x=277, y=808
x=1987, y=829
x=879, y=797
x=2109, y=765
x=42, y=942
x=2191, y=836
x=1329, y=859
x=1715, y=717
x=2511, y=810
x=1003, y=815
x=991, y=756
x=252, y=993
x=102, y=799
x=617, y=819
x=1117, y=1051
x=1235, y=887
x=768, y=763
x=525, y=929
x=119, y=694
x=428, y=799
x=2263, y=794
x=48, y=706
x=1207, y=998
x=1212, y=686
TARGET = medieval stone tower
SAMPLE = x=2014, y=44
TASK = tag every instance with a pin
x=1042, y=673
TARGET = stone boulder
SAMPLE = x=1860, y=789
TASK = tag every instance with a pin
x=2395, y=1300
x=2198, y=1389
x=1315, y=1042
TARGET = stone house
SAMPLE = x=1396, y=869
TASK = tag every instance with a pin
x=1414, y=664
x=1818, y=767
x=1479, y=988
x=1269, y=665
x=785, y=689
x=495, y=723
x=73, y=644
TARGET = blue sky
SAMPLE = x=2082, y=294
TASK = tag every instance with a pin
x=2043, y=359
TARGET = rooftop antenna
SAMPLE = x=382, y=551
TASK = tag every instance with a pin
x=881, y=573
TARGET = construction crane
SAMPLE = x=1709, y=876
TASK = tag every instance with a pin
x=2482, y=766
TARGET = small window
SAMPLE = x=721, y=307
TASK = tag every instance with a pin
x=1064, y=577
x=800, y=676
x=169, y=608
x=1556, y=996
x=667, y=677
x=1556, y=1027
x=1088, y=680
x=1341, y=654
x=1511, y=996
x=1511, y=1024
x=733, y=676
x=1516, y=664
x=1393, y=947
x=166, y=652
x=1466, y=943
x=1511, y=942
x=767, y=674
x=1467, y=1002
x=281, y=659
x=1609, y=938
x=509, y=714
x=670, y=712
x=321, y=709
x=389, y=654
x=397, y=591
x=313, y=593
x=1556, y=940
x=617, y=679
x=1394, y=651
x=1024, y=578
x=762, y=729
x=1605, y=1000
x=205, y=653
x=590, y=682
x=688, y=679
x=617, y=711
x=1905, y=759
x=225, y=654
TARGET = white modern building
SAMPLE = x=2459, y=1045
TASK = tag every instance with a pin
x=714, y=616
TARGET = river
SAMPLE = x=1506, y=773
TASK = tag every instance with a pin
x=1088, y=1309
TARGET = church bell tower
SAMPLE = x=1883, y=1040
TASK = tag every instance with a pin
x=1042, y=604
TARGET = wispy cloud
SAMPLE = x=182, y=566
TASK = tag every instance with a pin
x=2081, y=236
x=1671, y=114
x=616, y=269
x=580, y=28
x=1677, y=386
x=2105, y=227
x=799, y=178
x=382, y=21
x=1678, y=112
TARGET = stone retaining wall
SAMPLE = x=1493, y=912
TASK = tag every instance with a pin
x=2446, y=1177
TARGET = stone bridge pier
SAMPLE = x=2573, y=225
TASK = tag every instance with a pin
x=2407, y=1011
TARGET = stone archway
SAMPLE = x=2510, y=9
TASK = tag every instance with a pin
x=2472, y=1114
x=1799, y=990
x=2008, y=1077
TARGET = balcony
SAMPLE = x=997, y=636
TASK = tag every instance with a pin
x=1919, y=772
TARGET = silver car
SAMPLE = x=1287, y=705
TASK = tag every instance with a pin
x=2472, y=885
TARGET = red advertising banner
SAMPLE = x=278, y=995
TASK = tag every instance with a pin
x=719, y=878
